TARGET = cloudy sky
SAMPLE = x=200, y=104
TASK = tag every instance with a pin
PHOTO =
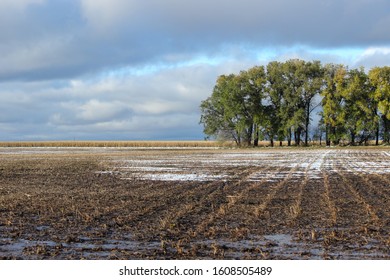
x=128, y=69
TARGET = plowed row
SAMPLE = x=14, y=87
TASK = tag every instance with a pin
x=195, y=204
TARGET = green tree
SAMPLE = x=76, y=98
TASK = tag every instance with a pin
x=216, y=118
x=234, y=110
x=303, y=82
x=313, y=75
x=335, y=82
x=359, y=112
x=380, y=79
x=278, y=102
x=251, y=93
x=277, y=108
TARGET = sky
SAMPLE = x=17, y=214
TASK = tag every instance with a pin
x=138, y=70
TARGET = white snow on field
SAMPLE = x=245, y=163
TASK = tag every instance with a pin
x=317, y=165
x=272, y=165
x=181, y=177
x=151, y=169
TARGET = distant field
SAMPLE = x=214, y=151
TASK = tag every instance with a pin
x=147, y=144
x=114, y=144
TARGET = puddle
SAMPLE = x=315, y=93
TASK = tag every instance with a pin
x=285, y=246
x=98, y=248
x=271, y=246
x=280, y=239
x=16, y=247
x=42, y=228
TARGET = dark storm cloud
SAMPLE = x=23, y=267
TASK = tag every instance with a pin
x=322, y=23
x=205, y=24
x=54, y=39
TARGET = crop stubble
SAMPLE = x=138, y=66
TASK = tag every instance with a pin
x=194, y=204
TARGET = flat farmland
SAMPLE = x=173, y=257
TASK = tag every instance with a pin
x=203, y=203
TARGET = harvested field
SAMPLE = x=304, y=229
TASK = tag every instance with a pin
x=123, y=203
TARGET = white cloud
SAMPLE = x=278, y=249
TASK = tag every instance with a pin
x=374, y=56
x=376, y=50
x=149, y=106
x=160, y=107
x=95, y=110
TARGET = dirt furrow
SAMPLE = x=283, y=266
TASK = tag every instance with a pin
x=316, y=208
x=374, y=176
x=371, y=192
x=351, y=205
x=330, y=204
x=239, y=208
x=197, y=206
x=202, y=213
x=248, y=195
x=282, y=204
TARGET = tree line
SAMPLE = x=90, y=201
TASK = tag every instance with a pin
x=277, y=102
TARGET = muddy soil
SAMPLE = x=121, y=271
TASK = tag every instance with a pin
x=321, y=204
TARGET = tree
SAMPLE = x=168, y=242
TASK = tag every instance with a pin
x=303, y=82
x=335, y=78
x=294, y=108
x=278, y=103
x=380, y=79
x=215, y=116
x=313, y=76
x=252, y=85
x=234, y=110
x=359, y=109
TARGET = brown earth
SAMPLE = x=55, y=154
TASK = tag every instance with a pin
x=61, y=206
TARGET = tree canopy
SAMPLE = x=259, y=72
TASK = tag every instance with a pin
x=277, y=102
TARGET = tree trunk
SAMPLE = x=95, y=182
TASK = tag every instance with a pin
x=386, y=130
x=377, y=128
x=238, y=139
x=327, y=136
x=298, y=136
x=295, y=138
x=256, y=140
x=249, y=135
x=307, y=122
x=377, y=136
x=289, y=137
x=307, y=136
x=353, y=138
x=336, y=141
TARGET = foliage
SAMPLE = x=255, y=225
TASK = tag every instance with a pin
x=278, y=102
x=380, y=79
x=234, y=108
